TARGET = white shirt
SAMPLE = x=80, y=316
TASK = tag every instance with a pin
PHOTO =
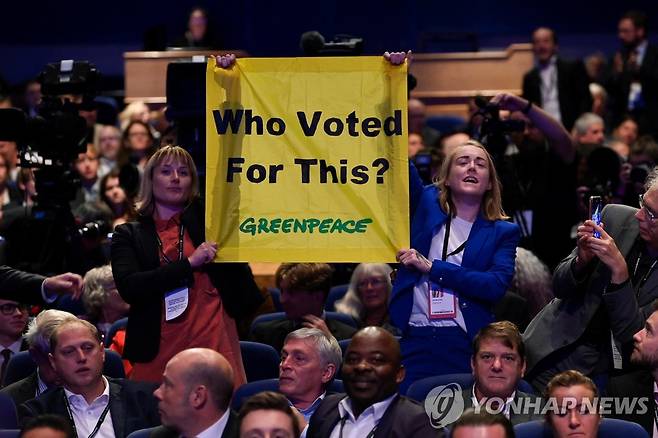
x=506, y=409
x=362, y=426
x=86, y=415
x=41, y=385
x=459, y=231
x=550, y=100
x=217, y=429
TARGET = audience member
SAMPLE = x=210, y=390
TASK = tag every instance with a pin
x=199, y=32
x=498, y=365
x=595, y=65
x=32, y=98
x=626, y=130
x=415, y=144
x=574, y=396
x=482, y=425
x=599, y=100
x=416, y=113
x=86, y=165
x=9, y=194
x=640, y=383
x=195, y=395
x=367, y=296
x=455, y=271
x=310, y=360
x=611, y=280
x=116, y=199
x=558, y=86
x=37, y=337
x=13, y=320
x=268, y=414
x=532, y=281
x=138, y=144
x=87, y=398
x=47, y=426
x=589, y=129
x=539, y=176
x=372, y=372
x=632, y=86
x=137, y=111
x=9, y=150
x=162, y=268
x=109, y=145
x=101, y=299
x=304, y=289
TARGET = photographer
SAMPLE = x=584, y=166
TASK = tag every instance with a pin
x=539, y=179
x=606, y=285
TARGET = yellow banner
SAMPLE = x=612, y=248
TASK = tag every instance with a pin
x=307, y=160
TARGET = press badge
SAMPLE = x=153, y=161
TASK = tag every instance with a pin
x=442, y=302
x=175, y=303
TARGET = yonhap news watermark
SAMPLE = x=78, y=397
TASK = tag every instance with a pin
x=444, y=404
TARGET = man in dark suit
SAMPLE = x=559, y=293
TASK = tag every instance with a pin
x=89, y=400
x=38, y=341
x=633, y=85
x=304, y=289
x=498, y=364
x=640, y=384
x=13, y=320
x=32, y=288
x=606, y=285
x=194, y=397
x=372, y=372
x=559, y=86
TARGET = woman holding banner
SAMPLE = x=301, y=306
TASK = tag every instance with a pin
x=460, y=264
x=162, y=268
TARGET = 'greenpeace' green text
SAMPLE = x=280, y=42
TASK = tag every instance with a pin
x=260, y=225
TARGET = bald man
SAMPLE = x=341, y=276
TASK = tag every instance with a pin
x=372, y=372
x=194, y=397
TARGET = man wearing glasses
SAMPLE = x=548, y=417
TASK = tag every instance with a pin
x=13, y=319
x=604, y=291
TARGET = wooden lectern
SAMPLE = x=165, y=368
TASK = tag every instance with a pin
x=448, y=81
x=146, y=72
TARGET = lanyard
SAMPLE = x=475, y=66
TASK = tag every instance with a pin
x=646, y=276
x=446, y=238
x=342, y=424
x=99, y=423
x=180, y=245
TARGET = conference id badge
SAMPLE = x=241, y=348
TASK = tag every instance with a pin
x=442, y=302
x=176, y=302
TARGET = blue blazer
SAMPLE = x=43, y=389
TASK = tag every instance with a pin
x=487, y=264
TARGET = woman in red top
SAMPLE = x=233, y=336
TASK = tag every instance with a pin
x=162, y=267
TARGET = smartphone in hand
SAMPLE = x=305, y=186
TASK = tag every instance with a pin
x=595, y=208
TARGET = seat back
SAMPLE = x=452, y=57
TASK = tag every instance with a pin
x=335, y=294
x=114, y=328
x=141, y=433
x=261, y=361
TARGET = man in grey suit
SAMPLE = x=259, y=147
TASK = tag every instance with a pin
x=498, y=364
x=604, y=291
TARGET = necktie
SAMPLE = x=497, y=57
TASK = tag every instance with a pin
x=6, y=355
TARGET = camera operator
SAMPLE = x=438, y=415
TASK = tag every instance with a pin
x=539, y=179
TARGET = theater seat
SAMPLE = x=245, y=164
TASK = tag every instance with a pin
x=114, y=328
x=609, y=428
x=141, y=433
x=335, y=293
x=260, y=361
x=420, y=388
x=345, y=319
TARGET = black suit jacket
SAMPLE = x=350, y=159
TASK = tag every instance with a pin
x=572, y=88
x=20, y=286
x=635, y=384
x=142, y=282
x=132, y=406
x=404, y=418
x=230, y=431
x=22, y=390
x=274, y=332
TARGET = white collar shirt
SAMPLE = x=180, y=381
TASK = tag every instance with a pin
x=86, y=415
x=217, y=429
x=550, y=99
x=365, y=424
x=483, y=406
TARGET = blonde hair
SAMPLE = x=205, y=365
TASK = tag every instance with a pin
x=351, y=303
x=97, y=283
x=145, y=203
x=492, y=204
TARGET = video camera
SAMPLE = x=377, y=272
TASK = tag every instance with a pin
x=493, y=131
x=313, y=43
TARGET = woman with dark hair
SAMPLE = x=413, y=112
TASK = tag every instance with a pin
x=138, y=144
x=114, y=196
x=162, y=268
x=460, y=264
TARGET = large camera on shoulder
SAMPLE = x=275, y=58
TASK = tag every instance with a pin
x=492, y=131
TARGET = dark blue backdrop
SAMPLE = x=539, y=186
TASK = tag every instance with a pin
x=34, y=33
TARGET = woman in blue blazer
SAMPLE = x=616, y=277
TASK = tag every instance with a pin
x=460, y=263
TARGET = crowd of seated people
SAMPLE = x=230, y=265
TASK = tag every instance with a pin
x=471, y=298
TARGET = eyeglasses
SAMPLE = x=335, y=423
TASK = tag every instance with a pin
x=371, y=281
x=10, y=308
x=650, y=214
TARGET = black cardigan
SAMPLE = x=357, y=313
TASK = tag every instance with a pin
x=142, y=281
